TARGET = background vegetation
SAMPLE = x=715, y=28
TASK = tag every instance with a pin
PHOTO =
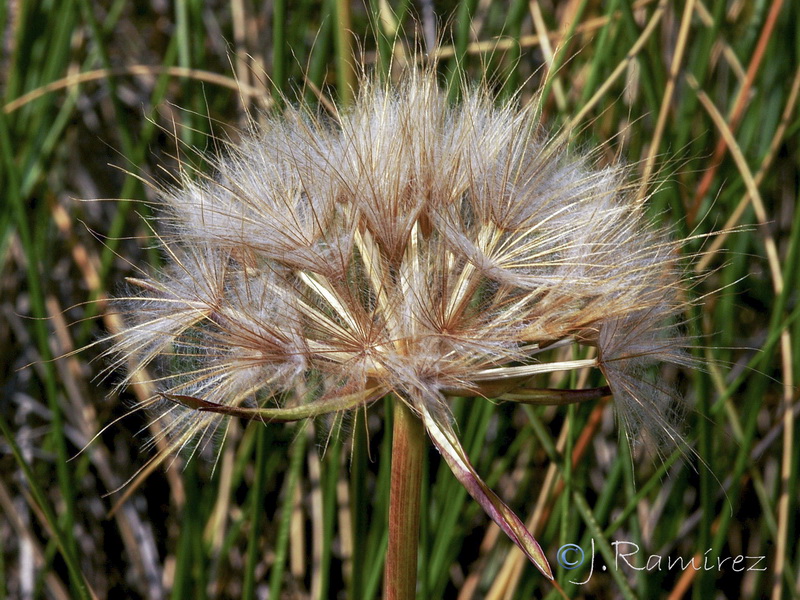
x=703, y=93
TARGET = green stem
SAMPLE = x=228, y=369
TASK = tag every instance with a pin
x=408, y=451
x=298, y=454
x=254, y=554
x=279, y=50
x=345, y=75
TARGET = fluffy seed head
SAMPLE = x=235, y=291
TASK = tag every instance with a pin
x=415, y=247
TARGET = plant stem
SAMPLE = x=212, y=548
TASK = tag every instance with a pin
x=345, y=73
x=408, y=450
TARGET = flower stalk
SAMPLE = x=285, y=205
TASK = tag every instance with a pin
x=408, y=450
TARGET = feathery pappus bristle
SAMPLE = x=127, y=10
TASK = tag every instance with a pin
x=414, y=247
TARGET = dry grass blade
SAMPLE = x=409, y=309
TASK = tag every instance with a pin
x=141, y=71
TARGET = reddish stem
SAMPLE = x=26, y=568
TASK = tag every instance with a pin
x=408, y=450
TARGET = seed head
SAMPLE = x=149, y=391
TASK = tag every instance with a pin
x=415, y=248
